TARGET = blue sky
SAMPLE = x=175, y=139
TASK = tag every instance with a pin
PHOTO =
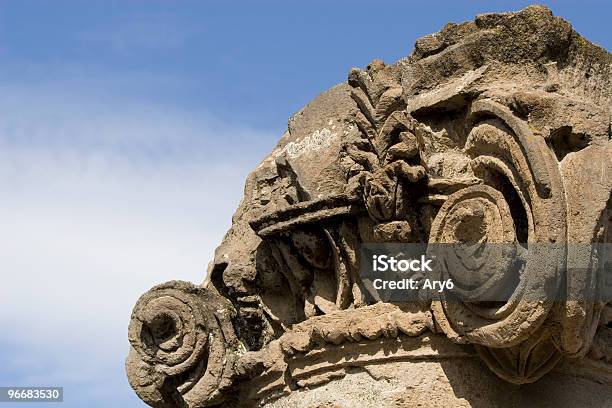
x=126, y=131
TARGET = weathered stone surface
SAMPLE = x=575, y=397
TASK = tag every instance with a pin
x=491, y=131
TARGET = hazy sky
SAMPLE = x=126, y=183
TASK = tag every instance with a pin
x=126, y=131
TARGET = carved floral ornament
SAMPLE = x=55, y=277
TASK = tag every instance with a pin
x=471, y=156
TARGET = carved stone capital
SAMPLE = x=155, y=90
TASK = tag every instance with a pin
x=492, y=138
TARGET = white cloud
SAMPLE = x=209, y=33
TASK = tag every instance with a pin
x=101, y=200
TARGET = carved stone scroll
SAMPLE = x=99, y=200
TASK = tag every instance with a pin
x=182, y=344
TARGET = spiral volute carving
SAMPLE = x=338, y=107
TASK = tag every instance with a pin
x=181, y=337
